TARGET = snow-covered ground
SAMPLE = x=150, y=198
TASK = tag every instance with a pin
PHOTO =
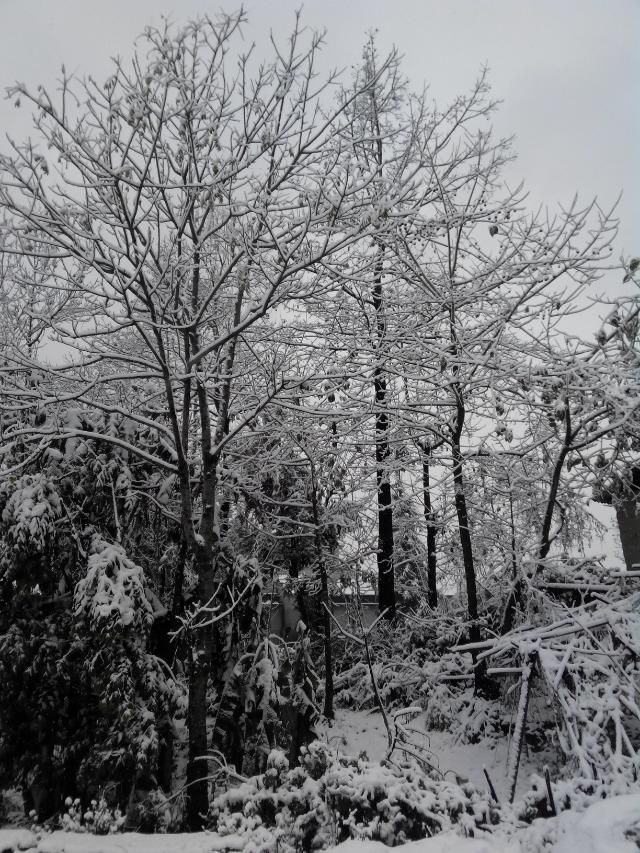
x=354, y=732
x=609, y=826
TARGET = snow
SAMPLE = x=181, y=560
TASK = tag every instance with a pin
x=601, y=827
x=127, y=842
x=16, y=839
x=606, y=545
x=604, y=827
x=113, y=590
x=353, y=732
x=445, y=843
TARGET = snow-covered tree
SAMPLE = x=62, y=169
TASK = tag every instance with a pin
x=176, y=205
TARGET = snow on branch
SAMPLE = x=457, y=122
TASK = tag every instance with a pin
x=113, y=592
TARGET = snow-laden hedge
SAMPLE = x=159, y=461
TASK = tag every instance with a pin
x=330, y=798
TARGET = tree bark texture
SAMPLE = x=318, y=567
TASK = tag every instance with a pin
x=432, y=590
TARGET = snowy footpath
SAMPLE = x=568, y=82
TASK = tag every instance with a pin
x=608, y=826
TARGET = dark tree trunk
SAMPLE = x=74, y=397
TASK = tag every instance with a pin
x=514, y=599
x=432, y=590
x=324, y=598
x=197, y=767
x=465, y=542
x=482, y=685
x=177, y=604
x=628, y=515
x=386, y=579
x=386, y=568
x=199, y=671
x=206, y=546
x=545, y=533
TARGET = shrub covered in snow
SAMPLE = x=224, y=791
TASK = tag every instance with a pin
x=99, y=819
x=29, y=510
x=330, y=798
x=111, y=596
x=81, y=701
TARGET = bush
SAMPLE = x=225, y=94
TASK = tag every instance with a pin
x=330, y=798
x=98, y=819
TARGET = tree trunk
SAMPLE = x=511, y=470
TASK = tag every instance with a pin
x=514, y=599
x=199, y=670
x=628, y=515
x=386, y=580
x=465, y=543
x=482, y=684
x=432, y=590
x=324, y=597
x=386, y=568
x=545, y=533
x=177, y=602
x=197, y=767
x=206, y=546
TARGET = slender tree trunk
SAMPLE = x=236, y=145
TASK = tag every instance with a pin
x=517, y=738
x=545, y=533
x=514, y=599
x=324, y=597
x=432, y=590
x=177, y=603
x=465, y=541
x=386, y=567
x=386, y=572
x=481, y=683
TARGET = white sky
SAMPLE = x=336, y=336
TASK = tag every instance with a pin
x=567, y=71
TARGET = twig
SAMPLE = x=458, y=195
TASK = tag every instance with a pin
x=521, y=724
x=547, y=779
x=492, y=790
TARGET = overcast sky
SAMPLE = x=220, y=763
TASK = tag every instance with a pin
x=567, y=70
